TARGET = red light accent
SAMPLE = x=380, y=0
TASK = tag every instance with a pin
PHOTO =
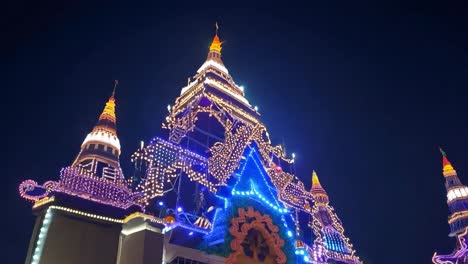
x=278, y=169
x=445, y=161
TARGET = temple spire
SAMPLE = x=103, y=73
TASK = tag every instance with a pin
x=457, y=198
x=216, y=43
x=107, y=119
x=315, y=179
x=447, y=168
x=317, y=190
x=116, y=83
x=214, y=53
x=101, y=147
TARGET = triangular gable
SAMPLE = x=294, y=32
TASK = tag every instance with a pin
x=253, y=181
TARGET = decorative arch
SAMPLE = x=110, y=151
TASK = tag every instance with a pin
x=250, y=220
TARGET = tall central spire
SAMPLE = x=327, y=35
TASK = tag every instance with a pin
x=216, y=44
x=215, y=48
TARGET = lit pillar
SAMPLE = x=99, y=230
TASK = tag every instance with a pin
x=63, y=236
x=141, y=242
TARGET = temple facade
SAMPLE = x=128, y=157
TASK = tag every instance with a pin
x=213, y=190
x=457, y=200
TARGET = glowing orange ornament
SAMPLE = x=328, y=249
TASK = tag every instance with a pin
x=169, y=219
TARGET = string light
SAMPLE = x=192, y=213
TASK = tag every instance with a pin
x=328, y=228
x=82, y=183
x=456, y=256
x=78, y=212
x=41, y=237
x=151, y=218
x=43, y=201
x=164, y=161
x=250, y=219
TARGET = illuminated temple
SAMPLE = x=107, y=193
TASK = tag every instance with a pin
x=457, y=200
x=213, y=190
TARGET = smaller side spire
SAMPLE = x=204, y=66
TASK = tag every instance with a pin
x=101, y=147
x=107, y=119
x=317, y=190
x=457, y=198
x=315, y=179
x=447, y=168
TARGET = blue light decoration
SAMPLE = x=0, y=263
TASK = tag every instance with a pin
x=252, y=186
x=218, y=229
x=189, y=228
x=225, y=200
x=248, y=184
x=303, y=255
x=334, y=242
x=253, y=193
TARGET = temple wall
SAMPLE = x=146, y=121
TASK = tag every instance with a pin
x=72, y=239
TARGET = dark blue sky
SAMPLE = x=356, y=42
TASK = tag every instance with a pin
x=362, y=93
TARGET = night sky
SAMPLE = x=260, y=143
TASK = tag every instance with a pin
x=364, y=94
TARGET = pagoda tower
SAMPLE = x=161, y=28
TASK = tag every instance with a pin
x=328, y=228
x=100, y=150
x=90, y=215
x=221, y=184
x=457, y=200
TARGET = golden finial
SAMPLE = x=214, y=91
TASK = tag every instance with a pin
x=315, y=179
x=317, y=189
x=116, y=82
x=109, y=110
x=216, y=43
